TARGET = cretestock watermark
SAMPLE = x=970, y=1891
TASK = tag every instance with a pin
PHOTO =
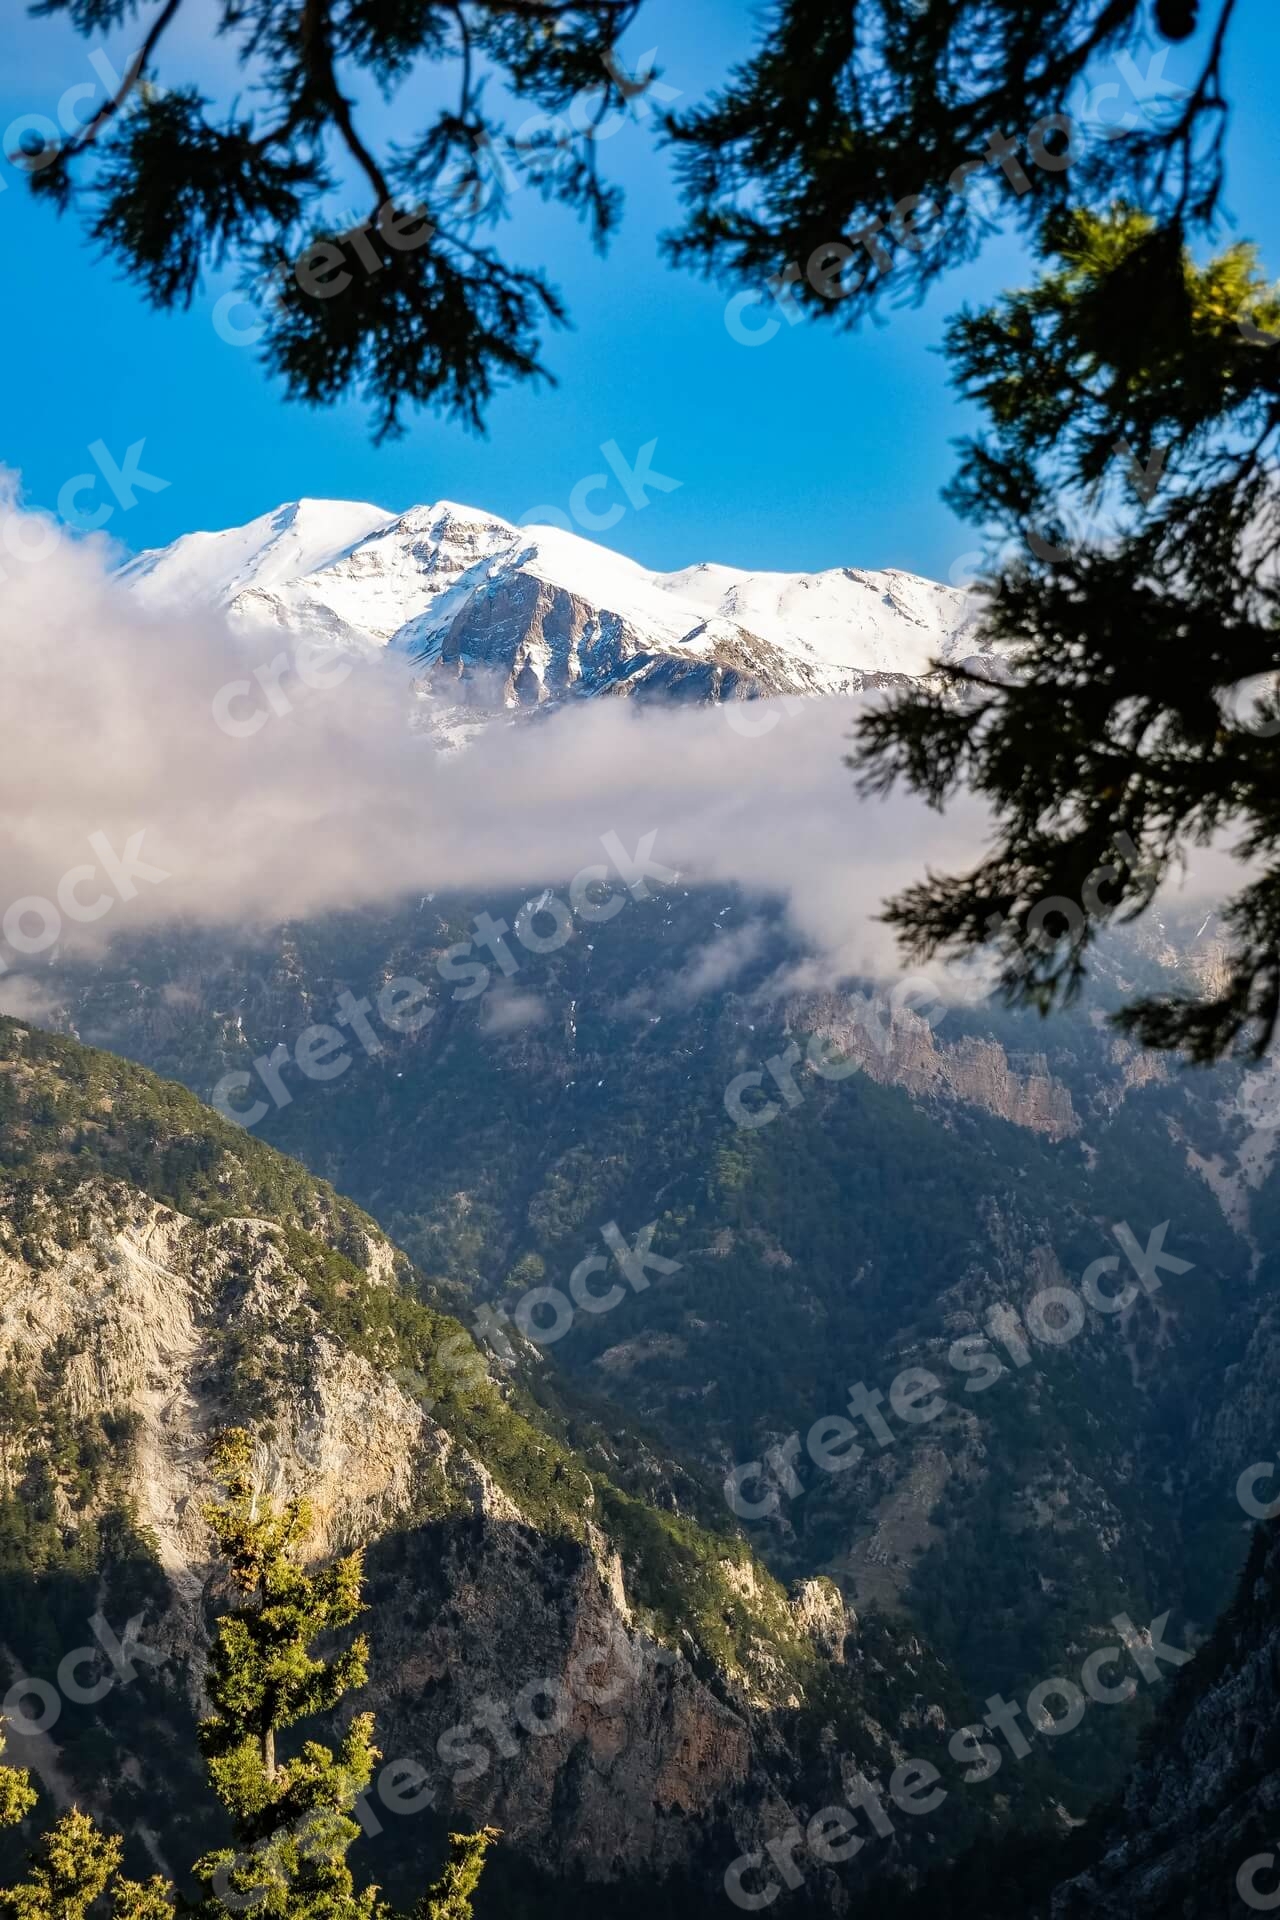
x=1251, y=705
x=33, y=924
x=123, y=480
x=33, y=141
x=827, y=270
x=327, y=267
x=1247, y=1883
x=1247, y=1491
x=598, y=1675
x=635, y=482
x=321, y=1051
x=1092, y=109
x=832, y=1838
x=319, y=664
x=497, y=169
x=120, y=1657
x=1059, y=917
x=32, y=536
x=401, y=1787
x=1053, y=1317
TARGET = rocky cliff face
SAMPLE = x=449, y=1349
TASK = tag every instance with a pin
x=523, y=641
x=898, y=1048
x=614, y=1685
x=1195, y=1831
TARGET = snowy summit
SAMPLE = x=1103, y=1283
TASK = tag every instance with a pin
x=518, y=616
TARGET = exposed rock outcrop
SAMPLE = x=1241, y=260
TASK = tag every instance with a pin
x=897, y=1047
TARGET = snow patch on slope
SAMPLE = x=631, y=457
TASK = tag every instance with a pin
x=211, y=569
x=878, y=622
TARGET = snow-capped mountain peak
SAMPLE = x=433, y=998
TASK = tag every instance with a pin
x=211, y=569
x=527, y=614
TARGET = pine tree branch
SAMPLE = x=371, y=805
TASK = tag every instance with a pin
x=318, y=55
x=133, y=73
x=1207, y=96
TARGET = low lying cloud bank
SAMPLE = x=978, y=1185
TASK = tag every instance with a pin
x=127, y=800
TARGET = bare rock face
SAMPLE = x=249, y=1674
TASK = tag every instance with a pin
x=897, y=1047
x=820, y=1611
x=520, y=640
x=526, y=1671
x=138, y=1314
x=530, y=1701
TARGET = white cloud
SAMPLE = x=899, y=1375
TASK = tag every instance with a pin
x=507, y=1012
x=336, y=803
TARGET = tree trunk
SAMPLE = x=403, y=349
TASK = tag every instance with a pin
x=269, y=1752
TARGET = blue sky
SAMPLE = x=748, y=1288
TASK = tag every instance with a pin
x=815, y=449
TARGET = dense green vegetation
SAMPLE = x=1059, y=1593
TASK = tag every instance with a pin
x=88, y=1138
x=852, y=1236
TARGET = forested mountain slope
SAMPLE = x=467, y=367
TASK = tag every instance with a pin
x=559, y=1643
x=968, y=1161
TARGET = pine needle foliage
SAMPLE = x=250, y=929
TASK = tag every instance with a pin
x=291, y=1817
x=1127, y=481
x=370, y=267
x=1130, y=464
x=74, y=1867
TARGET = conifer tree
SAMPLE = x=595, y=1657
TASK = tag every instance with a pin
x=292, y=1815
x=73, y=1866
x=1133, y=400
x=1127, y=480
x=450, y=1897
x=17, y=1795
x=397, y=291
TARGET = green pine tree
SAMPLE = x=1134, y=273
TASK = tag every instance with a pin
x=71, y=1868
x=1129, y=462
x=17, y=1795
x=450, y=1897
x=433, y=312
x=74, y=1866
x=292, y=1816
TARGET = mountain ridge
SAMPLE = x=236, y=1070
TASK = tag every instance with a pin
x=514, y=616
